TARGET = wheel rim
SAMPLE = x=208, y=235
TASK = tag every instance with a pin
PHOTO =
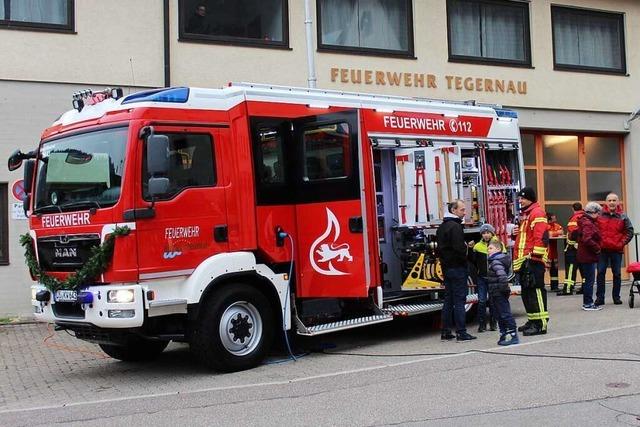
x=240, y=328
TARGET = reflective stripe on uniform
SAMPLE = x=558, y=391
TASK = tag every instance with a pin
x=544, y=315
x=540, y=250
x=538, y=221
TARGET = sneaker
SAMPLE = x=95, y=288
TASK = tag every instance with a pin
x=465, y=337
x=509, y=339
x=591, y=307
x=617, y=301
x=446, y=336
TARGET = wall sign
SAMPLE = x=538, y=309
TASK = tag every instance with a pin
x=430, y=81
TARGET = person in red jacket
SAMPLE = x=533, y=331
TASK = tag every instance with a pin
x=530, y=254
x=589, y=241
x=555, y=230
x=616, y=231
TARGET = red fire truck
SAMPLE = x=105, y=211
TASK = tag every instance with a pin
x=254, y=210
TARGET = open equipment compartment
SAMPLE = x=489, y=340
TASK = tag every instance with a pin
x=415, y=180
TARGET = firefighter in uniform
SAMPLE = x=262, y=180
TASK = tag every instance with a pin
x=555, y=230
x=529, y=262
x=571, y=251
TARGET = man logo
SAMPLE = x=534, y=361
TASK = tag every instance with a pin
x=329, y=252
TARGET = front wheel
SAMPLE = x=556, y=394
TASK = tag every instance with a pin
x=235, y=329
x=135, y=349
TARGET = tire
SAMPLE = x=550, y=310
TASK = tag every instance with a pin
x=235, y=329
x=136, y=349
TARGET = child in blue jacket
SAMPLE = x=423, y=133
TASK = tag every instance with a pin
x=499, y=292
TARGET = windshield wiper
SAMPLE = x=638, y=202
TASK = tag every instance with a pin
x=47, y=207
x=80, y=203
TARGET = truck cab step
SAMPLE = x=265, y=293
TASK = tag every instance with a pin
x=325, y=328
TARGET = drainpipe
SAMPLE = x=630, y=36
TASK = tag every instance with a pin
x=167, y=49
x=308, y=25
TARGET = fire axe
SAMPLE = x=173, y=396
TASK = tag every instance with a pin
x=401, y=160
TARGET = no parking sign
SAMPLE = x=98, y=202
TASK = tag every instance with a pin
x=17, y=189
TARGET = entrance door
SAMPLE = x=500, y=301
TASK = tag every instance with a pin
x=189, y=224
x=331, y=245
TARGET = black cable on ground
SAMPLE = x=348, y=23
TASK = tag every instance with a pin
x=499, y=353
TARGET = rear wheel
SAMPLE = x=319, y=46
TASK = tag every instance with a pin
x=135, y=349
x=235, y=329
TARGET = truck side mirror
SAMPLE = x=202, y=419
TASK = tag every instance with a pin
x=29, y=168
x=157, y=154
x=15, y=160
x=26, y=203
x=158, y=186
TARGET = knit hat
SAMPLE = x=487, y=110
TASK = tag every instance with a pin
x=528, y=193
x=487, y=227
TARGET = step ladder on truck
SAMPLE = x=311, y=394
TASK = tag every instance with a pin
x=254, y=209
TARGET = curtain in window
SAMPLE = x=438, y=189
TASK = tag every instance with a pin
x=374, y=24
x=38, y=11
x=487, y=30
x=503, y=32
x=587, y=39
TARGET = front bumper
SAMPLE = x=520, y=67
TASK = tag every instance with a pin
x=99, y=313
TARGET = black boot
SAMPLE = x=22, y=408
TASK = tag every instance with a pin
x=525, y=326
x=482, y=317
x=446, y=335
x=464, y=336
x=493, y=324
x=482, y=325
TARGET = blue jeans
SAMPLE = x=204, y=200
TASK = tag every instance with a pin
x=615, y=260
x=483, y=299
x=455, y=298
x=506, y=322
x=588, y=272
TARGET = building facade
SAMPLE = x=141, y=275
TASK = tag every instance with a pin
x=568, y=67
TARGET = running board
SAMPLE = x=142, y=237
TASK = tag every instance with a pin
x=404, y=310
x=341, y=325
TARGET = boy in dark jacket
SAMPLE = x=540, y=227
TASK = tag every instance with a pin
x=479, y=257
x=499, y=292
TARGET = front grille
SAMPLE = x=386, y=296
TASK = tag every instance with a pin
x=66, y=252
x=68, y=310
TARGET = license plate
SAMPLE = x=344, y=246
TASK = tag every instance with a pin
x=66, y=296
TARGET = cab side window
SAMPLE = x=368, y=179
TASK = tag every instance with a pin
x=191, y=164
x=326, y=152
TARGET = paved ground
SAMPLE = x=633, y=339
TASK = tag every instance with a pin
x=397, y=373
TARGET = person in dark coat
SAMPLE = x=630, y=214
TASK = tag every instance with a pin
x=589, y=245
x=198, y=22
x=452, y=250
x=499, y=292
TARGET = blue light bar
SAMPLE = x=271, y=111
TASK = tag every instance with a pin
x=506, y=113
x=174, y=94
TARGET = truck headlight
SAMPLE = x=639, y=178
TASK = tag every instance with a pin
x=120, y=296
x=34, y=291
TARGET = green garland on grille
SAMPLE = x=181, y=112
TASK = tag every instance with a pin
x=96, y=264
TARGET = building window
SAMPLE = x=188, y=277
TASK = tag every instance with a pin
x=366, y=26
x=4, y=225
x=489, y=31
x=588, y=40
x=244, y=22
x=37, y=14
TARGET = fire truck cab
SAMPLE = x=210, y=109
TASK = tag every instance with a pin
x=255, y=210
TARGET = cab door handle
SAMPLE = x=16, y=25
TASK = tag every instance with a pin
x=221, y=233
x=355, y=224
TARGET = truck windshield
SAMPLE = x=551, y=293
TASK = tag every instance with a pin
x=80, y=171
